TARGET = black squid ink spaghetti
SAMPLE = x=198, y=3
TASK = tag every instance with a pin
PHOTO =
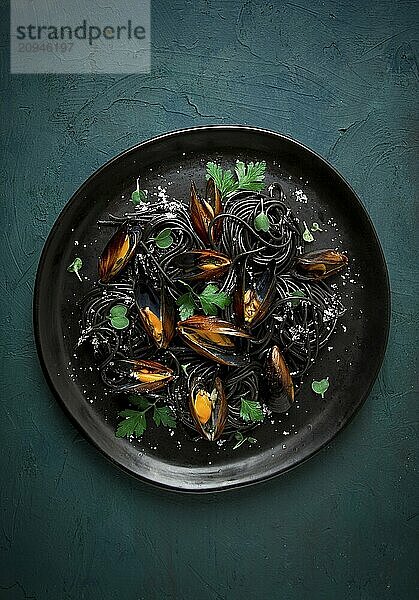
x=209, y=312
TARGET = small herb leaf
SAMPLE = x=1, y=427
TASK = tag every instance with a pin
x=75, y=266
x=211, y=299
x=240, y=440
x=261, y=222
x=138, y=197
x=320, y=387
x=134, y=424
x=297, y=294
x=250, y=410
x=117, y=316
x=251, y=176
x=224, y=180
x=163, y=415
x=119, y=322
x=139, y=401
x=164, y=239
x=307, y=237
x=119, y=310
x=187, y=306
x=315, y=227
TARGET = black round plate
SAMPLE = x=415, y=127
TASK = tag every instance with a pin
x=316, y=192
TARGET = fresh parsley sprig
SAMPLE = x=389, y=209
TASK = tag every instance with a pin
x=224, y=179
x=251, y=410
x=210, y=300
x=249, y=177
x=135, y=421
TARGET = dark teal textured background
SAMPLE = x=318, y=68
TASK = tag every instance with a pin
x=341, y=77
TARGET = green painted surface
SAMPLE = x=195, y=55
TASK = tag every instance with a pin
x=341, y=77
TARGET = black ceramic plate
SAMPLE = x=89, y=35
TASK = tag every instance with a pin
x=316, y=192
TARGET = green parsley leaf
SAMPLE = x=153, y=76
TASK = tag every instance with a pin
x=252, y=176
x=134, y=424
x=211, y=299
x=315, y=227
x=252, y=440
x=224, y=180
x=164, y=239
x=320, y=387
x=250, y=410
x=163, y=415
x=297, y=294
x=119, y=310
x=261, y=222
x=187, y=306
x=307, y=237
x=139, y=401
x=75, y=266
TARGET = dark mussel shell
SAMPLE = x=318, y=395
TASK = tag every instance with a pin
x=157, y=312
x=278, y=382
x=203, y=211
x=208, y=407
x=137, y=375
x=202, y=265
x=251, y=301
x=319, y=264
x=118, y=252
x=214, y=339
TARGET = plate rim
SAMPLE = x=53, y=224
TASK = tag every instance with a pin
x=36, y=309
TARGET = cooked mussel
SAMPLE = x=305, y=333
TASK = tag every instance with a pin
x=252, y=299
x=214, y=339
x=319, y=264
x=137, y=375
x=278, y=382
x=118, y=251
x=203, y=211
x=208, y=407
x=202, y=265
x=157, y=312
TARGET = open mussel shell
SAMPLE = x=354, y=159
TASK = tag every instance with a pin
x=157, y=312
x=208, y=407
x=118, y=252
x=319, y=264
x=137, y=375
x=278, y=382
x=252, y=300
x=202, y=265
x=214, y=339
x=203, y=211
